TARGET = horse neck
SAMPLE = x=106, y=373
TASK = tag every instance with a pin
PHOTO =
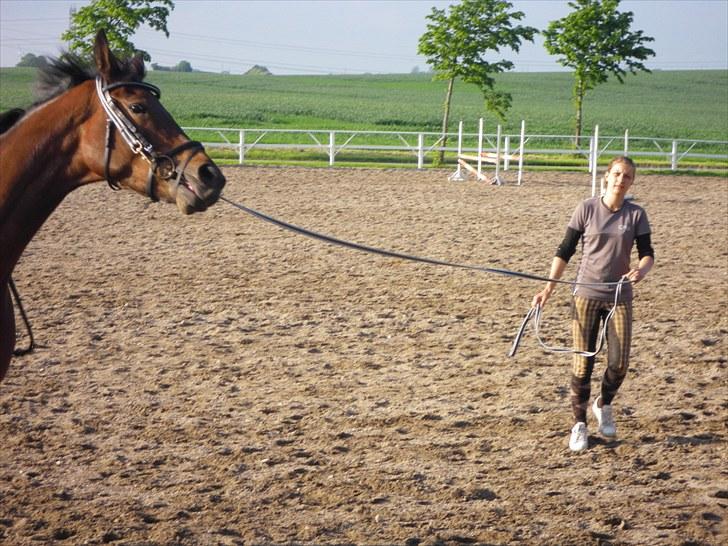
x=39, y=165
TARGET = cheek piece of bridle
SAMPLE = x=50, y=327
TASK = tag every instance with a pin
x=162, y=165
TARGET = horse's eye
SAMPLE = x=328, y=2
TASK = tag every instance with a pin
x=138, y=108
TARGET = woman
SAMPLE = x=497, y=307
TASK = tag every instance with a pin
x=608, y=227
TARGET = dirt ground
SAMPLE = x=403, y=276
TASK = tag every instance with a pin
x=216, y=380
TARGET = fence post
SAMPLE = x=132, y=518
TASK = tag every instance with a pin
x=332, y=147
x=241, y=147
x=626, y=143
x=673, y=156
x=420, y=150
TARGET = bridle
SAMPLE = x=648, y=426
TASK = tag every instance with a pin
x=163, y=165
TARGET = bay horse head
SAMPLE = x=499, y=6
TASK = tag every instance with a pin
x=155, y=157
x=89, y=125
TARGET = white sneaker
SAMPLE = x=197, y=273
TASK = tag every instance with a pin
x=579, y=440
x=605, y=417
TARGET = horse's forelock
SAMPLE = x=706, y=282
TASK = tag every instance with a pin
x=137, y=68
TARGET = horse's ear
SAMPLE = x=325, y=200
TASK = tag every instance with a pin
x=106, y=64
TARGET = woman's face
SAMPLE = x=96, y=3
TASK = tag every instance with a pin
x=619, y=179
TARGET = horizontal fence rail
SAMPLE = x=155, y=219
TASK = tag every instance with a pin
x=538, y=149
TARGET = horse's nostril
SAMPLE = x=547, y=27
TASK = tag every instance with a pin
x=211, y=176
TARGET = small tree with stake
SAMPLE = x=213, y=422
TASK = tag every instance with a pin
x=457, y=41
x=120, y=19
x=596, y=40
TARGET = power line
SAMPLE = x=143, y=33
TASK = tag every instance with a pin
x=293, y=47
x=35, y=20
x=14, y=38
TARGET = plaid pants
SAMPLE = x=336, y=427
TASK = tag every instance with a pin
x=586, y=315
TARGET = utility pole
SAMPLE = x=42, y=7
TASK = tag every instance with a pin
x=71, y=15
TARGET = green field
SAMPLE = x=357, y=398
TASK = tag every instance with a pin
x=663, y=104
x=685, y=104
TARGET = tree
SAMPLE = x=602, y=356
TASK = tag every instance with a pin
x=258, y=70
x=120, y=19
x=32, y=60
x=596, y=40
x=183, y=66
x=456, y=43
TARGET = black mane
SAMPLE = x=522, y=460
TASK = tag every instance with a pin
x=69, y=70
x=10, y=118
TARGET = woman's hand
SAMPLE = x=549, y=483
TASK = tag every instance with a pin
x=644, y=267
x=635, y=275
x=541, y=298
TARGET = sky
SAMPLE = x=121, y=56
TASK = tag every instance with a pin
x=353, y=36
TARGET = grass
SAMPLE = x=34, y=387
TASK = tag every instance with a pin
x=663, y=104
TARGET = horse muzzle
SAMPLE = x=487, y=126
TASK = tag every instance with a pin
x=199, y=189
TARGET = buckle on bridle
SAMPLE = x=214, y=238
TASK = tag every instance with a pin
x=164, y=167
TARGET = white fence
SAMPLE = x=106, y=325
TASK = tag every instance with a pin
x=421, y=144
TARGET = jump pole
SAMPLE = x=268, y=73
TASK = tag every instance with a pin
x=460, y=137
x=520, y=151
x=590, y=156
x=497, y=180
x=480, y=147
x=595, y=158
x=506, y=153
x=457, y=176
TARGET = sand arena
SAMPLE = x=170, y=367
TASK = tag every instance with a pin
x=216, y=380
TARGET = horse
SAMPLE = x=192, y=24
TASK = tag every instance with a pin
x=91, y=123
